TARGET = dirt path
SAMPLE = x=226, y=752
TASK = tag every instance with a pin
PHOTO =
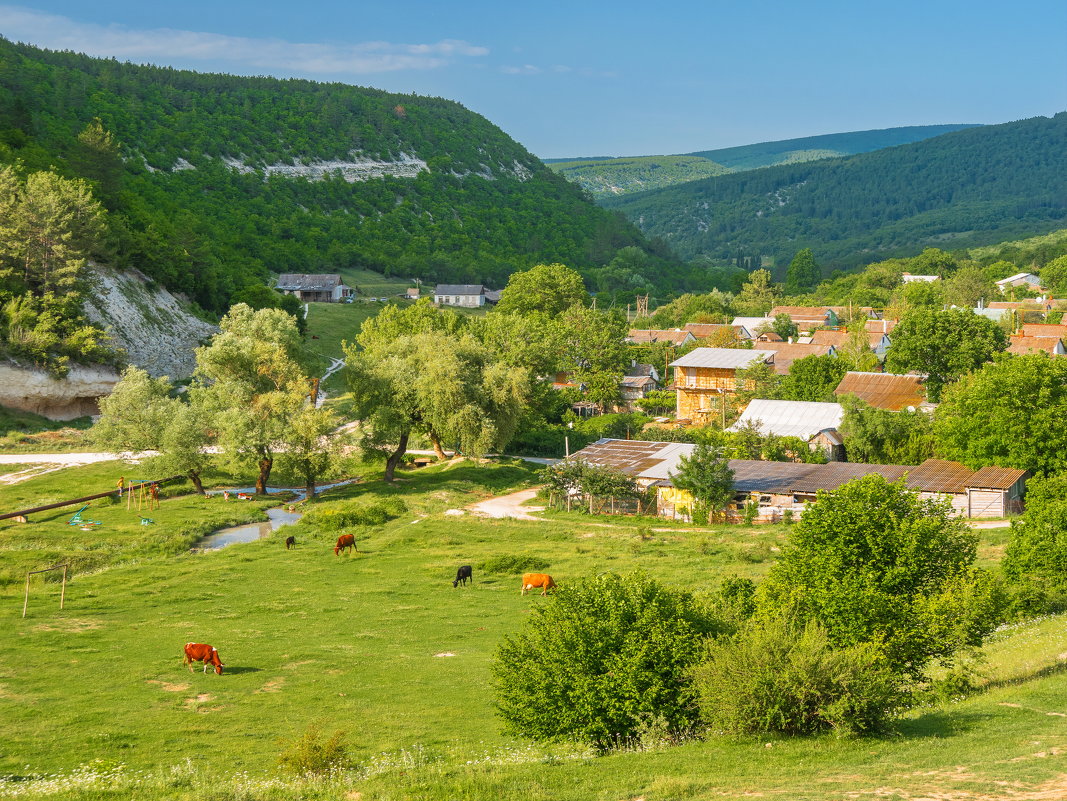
x=508, y=506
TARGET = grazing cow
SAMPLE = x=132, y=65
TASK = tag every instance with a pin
x=531, y=581
x=344, y=542
x=462, y=575
x=289, y=542
x=202, y=652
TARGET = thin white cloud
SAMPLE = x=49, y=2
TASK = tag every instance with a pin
x=525, y=69
x=165, y=45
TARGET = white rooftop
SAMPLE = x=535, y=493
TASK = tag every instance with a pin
x=802, y=419
x=1018, y=277
x=724, y=358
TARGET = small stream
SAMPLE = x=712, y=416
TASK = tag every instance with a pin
x=250, y=532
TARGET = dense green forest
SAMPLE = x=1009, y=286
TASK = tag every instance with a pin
x=969, y=188
x=190, y=168
x=607, y=176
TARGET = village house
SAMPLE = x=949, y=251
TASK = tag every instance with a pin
x=317, y=288
x=752, y=325
x=465, y=295
x=647, y=336
x=1028, y=280
x=882, y=326
x=707, y=373
x=815, y=423
x=413, y=293
x=708, y=330
x=785, y=353
x=1020, y=345
x=1044, y=330
x=807, y=318
x=639, y=380
x=886, y=390
x=781, y=487
x=877, y=341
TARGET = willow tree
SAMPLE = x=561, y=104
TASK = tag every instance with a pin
x=445, y=387
x=254, y=384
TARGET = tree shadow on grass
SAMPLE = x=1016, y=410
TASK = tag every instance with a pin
x=233, y=671
x=1042, y=673
x=941, y=723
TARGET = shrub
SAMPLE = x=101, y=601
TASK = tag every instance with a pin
x=513, y=563
x=773, y=677
x=376, y=513
x=312, y=754
x=602, y=658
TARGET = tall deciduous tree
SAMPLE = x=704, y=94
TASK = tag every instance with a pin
x=880, y=436
x=813, y=378
x=547, y=288
x=803, y=273
x=1012, y=413
x=758, y=294
x=944, y=345
x=443, y=386
x=256, y=384
x=874, y=563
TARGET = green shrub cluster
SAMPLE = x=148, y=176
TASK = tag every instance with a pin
x=314, y=754
x=376, y=513
x=775, y=677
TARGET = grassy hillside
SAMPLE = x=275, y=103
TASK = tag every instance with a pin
x=625, y=175
x=964, y=189
x=608, y=177
x=214, y=181
x=380, y=645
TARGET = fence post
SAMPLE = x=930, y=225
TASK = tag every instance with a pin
x=26, y=601
x=63, y=588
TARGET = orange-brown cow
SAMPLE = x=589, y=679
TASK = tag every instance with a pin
x=344, y=542
x=531, y=581
x=202, y=652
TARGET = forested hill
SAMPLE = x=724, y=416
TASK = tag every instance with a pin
x=969, y=188
x=605, y=176
x=213, y=181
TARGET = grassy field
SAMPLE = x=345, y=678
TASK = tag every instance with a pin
x=380, y=645
x=26, y=432
x=372, y=284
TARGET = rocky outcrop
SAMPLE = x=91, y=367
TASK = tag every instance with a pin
x=35, y=390
x=156, y=328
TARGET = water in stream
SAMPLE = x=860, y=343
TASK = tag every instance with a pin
x=250, y=532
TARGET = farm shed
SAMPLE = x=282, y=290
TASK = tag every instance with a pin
x=815, y=423
x=317, y=288
x=466, y=295
x=780, y=487
x=886, y=390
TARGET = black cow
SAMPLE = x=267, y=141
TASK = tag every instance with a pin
x=462, y=575
x=289, y=542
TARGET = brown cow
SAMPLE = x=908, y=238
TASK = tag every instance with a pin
x=531, y=581
x=344, y=542
x=202, y=652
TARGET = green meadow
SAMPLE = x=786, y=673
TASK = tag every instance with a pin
x=96, y=704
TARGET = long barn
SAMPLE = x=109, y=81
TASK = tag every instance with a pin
x=779, y=487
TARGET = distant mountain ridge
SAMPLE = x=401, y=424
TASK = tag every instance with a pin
x=967, y=188
x=609, y=176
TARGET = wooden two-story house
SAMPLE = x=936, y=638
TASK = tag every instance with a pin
x=707, y=373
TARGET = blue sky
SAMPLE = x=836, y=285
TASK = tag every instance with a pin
x=618, y=78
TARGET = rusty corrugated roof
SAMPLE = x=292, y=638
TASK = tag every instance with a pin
x=884, y=390
x=1000, y=478
x=938, y=475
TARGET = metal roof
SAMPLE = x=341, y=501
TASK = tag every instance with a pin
x=884, y=390
x=802, y=419
x=298, y=282
x=723, y=358
x=1044, y=330
x=1000, y=478
x=655, y=461
x=705, y=330
x=752, y=323
x=459, y=289
x=937, y=475
x=785, y=353
x=659, y=335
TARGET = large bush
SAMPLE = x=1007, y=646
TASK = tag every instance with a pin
x=601, y=659
x=875, y=563
x=773, y=677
